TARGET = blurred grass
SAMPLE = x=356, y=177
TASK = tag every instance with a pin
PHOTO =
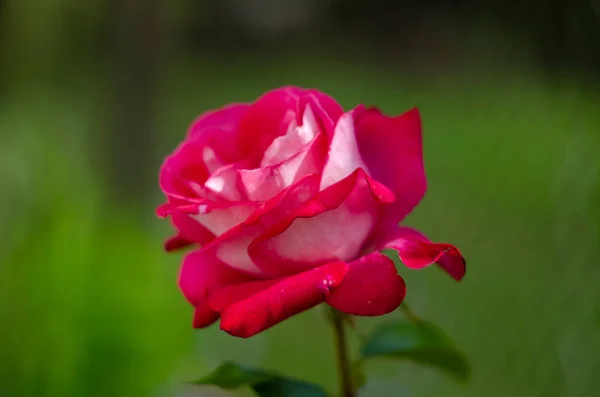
x=89, y=303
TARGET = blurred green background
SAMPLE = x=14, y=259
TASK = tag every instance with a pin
x=94, y=94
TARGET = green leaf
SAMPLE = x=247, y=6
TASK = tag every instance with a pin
x=420, y=342
x=230, y=376
x=285, y=387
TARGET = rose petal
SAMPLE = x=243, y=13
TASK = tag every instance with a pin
x=218, y=129
x=332, y=226
x=228, y=295
x=326, y=109
x=232, y=246
x=391, y=148
x=265, y=303
x=200, y=274
x=262, y=184
x=296, y=138
x=226, y=183
x=336, y=233
x=177, y=242
x=211, y=160
x=220, y=220
x=190, y=163
x=189, y=232
x=372, y=287
x=229, y=135
x=343, y=157
x=269, y=117
x=224, y=119
x=182, y=168
x=416, y=252
x=204, y=315
x=200, y=223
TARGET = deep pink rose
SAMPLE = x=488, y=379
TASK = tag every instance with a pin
x=288, y=202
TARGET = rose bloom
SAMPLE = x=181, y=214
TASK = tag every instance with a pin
x=288, y=202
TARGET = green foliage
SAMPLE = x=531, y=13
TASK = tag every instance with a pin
x=420, y=342
x=265, y=384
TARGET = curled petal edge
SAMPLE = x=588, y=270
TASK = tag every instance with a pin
x=416, y=252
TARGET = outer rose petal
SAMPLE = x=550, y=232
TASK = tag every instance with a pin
x=416, y=252
x=372, y=287
x=391, y=148
x=218, y=129
x=191, y=161
x=183, y=169
x=332, y=226
x=224, y=119
x=204, y=315
x=247, y=309
x=200, y=274
x=388, y=149
x=176, y=242
x=190, y=232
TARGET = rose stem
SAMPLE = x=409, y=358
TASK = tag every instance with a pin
x=343, y=358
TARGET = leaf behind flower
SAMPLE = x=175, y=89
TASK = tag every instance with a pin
x=420, y=342
x=229, y=376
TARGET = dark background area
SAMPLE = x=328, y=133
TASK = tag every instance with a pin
x=94, y=94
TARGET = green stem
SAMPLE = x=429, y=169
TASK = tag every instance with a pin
x=343, y=358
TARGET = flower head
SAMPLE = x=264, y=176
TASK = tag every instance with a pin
x=288, y=202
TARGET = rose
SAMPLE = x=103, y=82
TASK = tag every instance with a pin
x=288, y=201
